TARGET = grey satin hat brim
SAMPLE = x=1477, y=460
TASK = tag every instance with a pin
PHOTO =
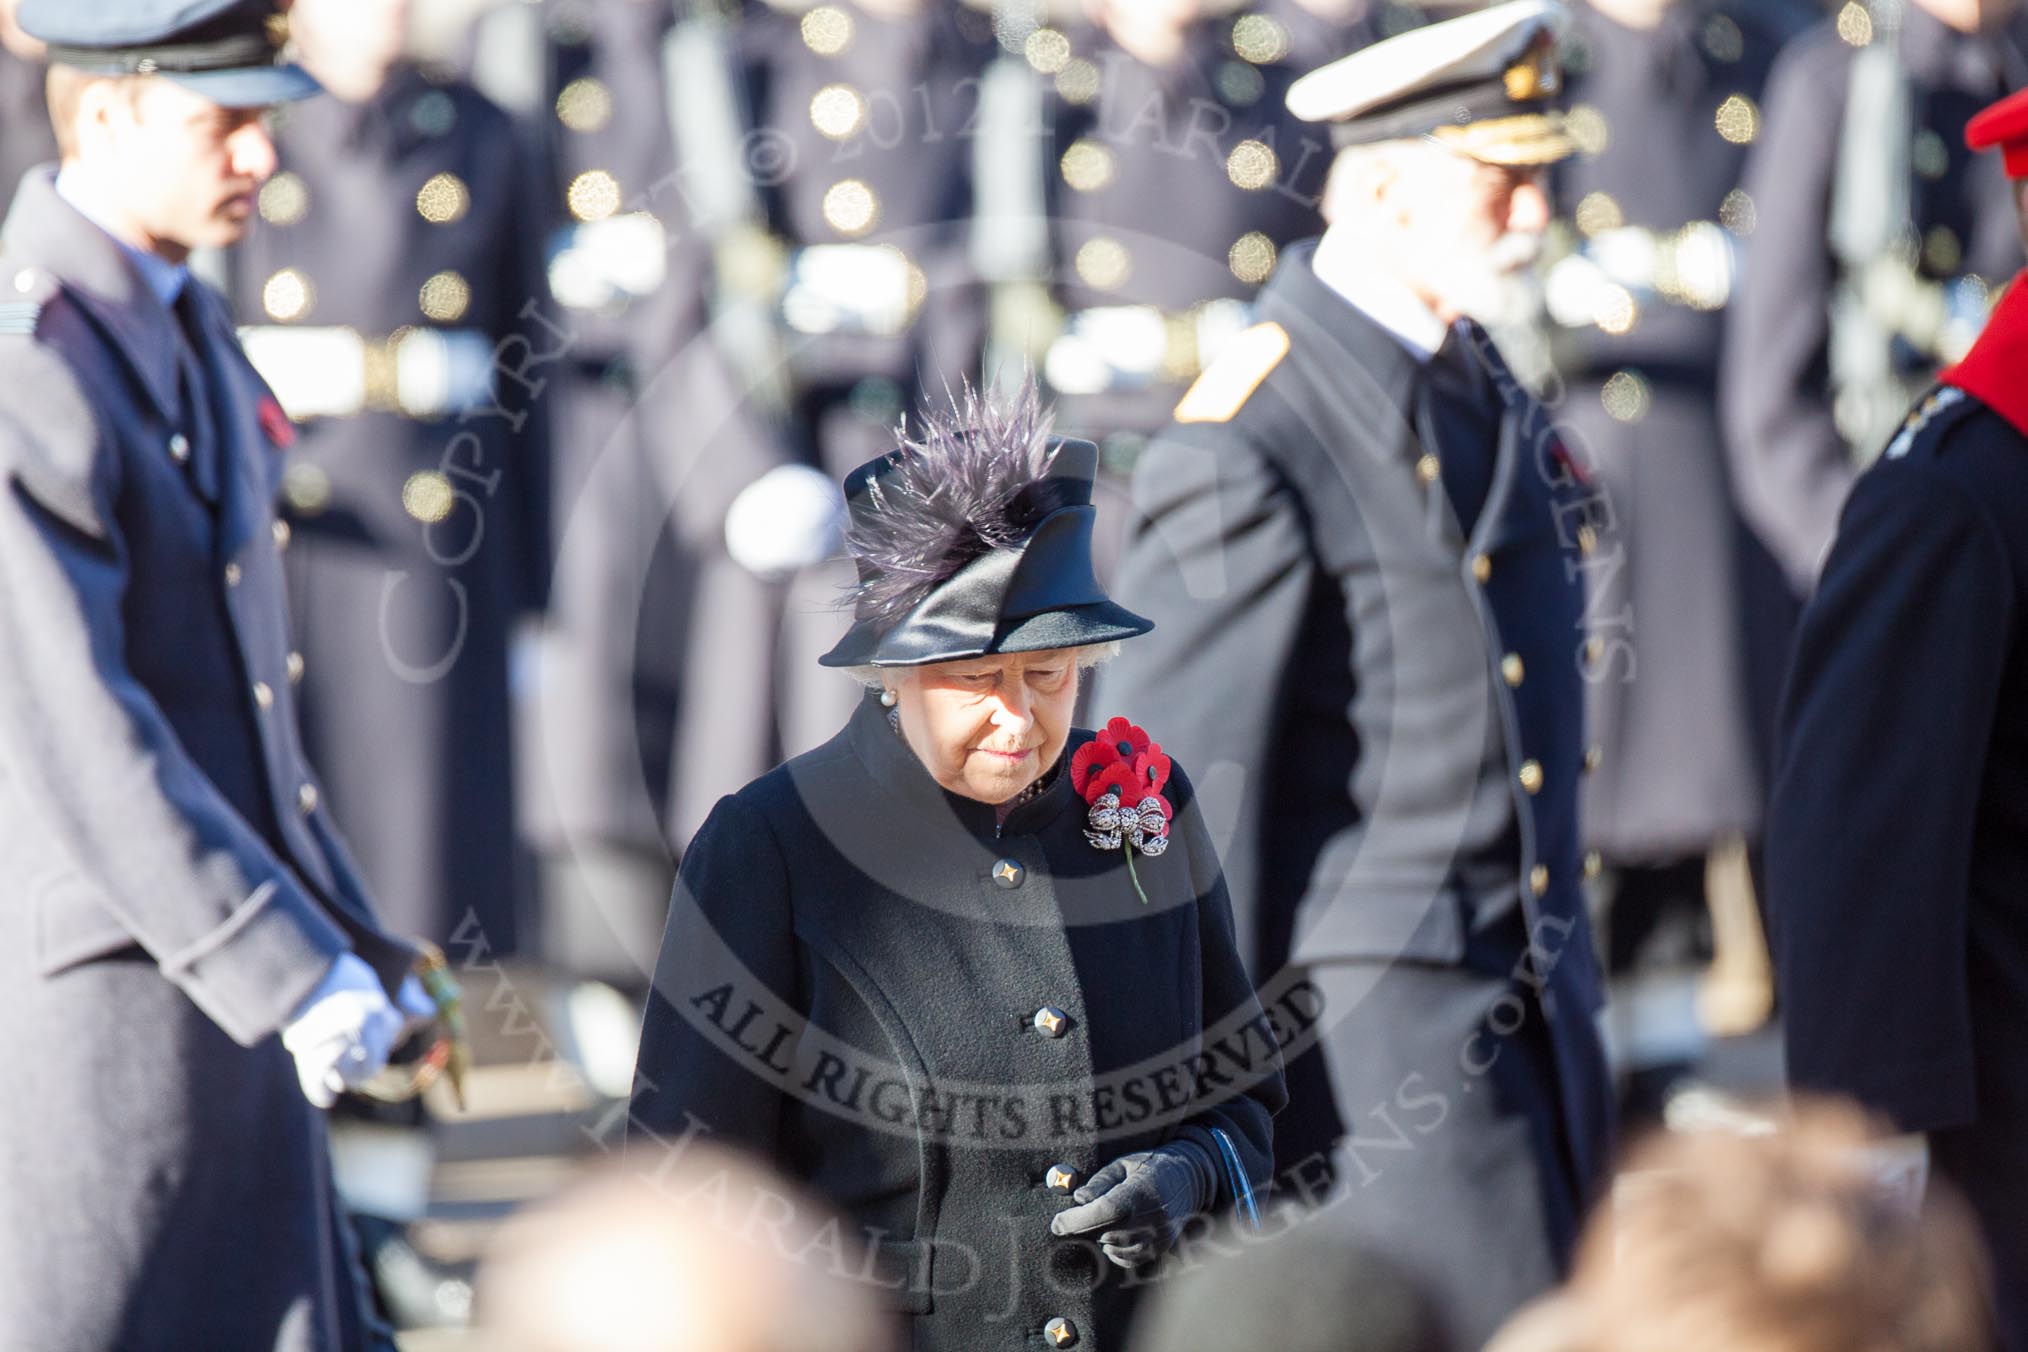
x=1077, y=627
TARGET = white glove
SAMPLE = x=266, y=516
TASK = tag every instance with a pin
x=792, y=517
x=343, y=1031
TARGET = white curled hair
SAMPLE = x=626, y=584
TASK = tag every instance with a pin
x=1087, y=656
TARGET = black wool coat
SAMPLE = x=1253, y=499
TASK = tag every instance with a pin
x=1897, y=878
x=930, y=1020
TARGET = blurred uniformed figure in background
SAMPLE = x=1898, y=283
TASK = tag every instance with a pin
x=1878, y=242
x=654, y=437
x=1362, y=547
x=390, y=259
x=830, y=158
x=1324, y=30
x=1897, y=886
x=1176, y=175
x=25, y=137
x=1665, y=98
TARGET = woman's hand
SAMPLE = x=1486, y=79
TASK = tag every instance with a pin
x=1139, y=1203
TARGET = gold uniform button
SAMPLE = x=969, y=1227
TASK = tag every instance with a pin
x=1050, y=1021
x=1594, y=864
x=1538, y=879
x=1060, y=1178
x=179, y=448
x=1427, y=469
x=281, y=533
x=232, y=575
x=1531, y=776
x=1594, y=649
x=1594, y=756
x=1511, y=669
x=850, y=207
x=294, y=665
x=264, y=694
x=445, y=297
x=306, y=799
x=1060, y=1332
x=443, y=200
x=1482, y=567
x=1008, y=874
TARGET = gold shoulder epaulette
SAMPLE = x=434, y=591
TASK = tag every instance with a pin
x=1225, y=386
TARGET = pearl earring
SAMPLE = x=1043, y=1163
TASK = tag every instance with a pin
x=888, y=699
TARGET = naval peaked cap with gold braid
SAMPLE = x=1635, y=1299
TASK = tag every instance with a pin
x=1485, y=84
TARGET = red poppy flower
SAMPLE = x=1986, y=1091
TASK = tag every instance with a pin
x=1092, y=757
x=1153, y=768
x=1115, y=778
x=1123, y=759
x=276, y=424
x=1126, y=739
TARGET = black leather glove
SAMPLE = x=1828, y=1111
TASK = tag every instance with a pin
x=1139, y=1203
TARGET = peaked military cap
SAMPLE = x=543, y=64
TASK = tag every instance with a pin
x=1485, y=84
x=976, y=540
x=228, y=51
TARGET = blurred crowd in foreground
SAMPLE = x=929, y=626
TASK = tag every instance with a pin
x=1782, y=1241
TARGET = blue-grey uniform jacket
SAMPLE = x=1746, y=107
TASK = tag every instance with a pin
x=1385, y=706
x=175, y=886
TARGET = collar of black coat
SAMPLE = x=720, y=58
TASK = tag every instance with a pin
x=890, y=761
x=44, y=230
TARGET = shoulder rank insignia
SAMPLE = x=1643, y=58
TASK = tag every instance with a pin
x=1943, y=397
x=19, y=316
x=21, y=306
x=1225, y=386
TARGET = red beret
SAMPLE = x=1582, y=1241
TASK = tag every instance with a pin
x=2004, y=124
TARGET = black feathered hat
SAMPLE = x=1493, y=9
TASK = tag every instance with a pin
x=976, y=539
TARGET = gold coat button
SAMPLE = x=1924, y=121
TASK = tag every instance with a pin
x=1427, y=468
x=1008, y=874
x=1594, y=864
x=1060, y=1178
x=1050, y=1021
x=1531, y=776
x=1538, y=879
x=1594, y=649
x=281, y=533
x=179, y=448
x=1060, y=1332
x=232, y=575
x=1594, y=756
x=294, y=665
x=264, y=694
x=306, y=799
x=1511, y=669
x=1482, y=567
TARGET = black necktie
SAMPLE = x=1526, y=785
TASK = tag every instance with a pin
x=203, y=389
x=1459, y=408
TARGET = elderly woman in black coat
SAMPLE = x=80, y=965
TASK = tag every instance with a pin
x=965, y=970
